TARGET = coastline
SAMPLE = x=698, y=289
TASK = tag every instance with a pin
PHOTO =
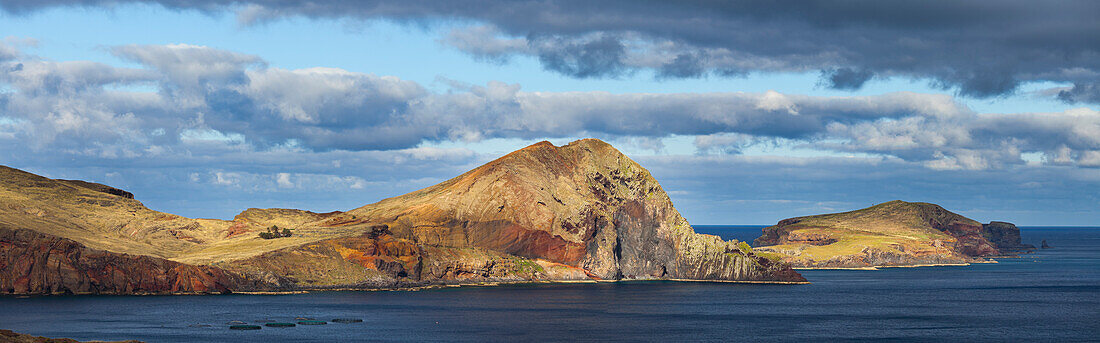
x=899, y=266
x=417, y=288
x=510, y=283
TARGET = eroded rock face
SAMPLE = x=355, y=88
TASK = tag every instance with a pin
x=378, y=259
x=34, y=263
x=895, y=233
x=1005, y=236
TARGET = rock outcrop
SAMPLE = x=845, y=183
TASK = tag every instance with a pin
x=35, y=263
x=581, y=211
x=894, y=233
x=1005, y=236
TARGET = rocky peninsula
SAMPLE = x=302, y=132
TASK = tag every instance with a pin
x=579, y=212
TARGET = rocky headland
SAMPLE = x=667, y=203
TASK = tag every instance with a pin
x=579, y=212
x=891, y=234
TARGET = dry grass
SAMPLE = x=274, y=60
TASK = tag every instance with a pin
x=906, y=228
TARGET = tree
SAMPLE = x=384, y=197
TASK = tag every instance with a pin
x=286, y=232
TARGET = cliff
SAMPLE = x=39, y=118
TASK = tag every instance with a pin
x=895, y=233
x=582, y=211
x=35, y=263
x=1005, y=236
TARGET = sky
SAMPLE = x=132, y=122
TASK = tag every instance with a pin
x=745, y=112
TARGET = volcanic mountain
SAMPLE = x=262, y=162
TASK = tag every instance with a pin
x=895, y=233
x=583, y=211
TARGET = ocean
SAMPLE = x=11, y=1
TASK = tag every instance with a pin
x=1050, y=295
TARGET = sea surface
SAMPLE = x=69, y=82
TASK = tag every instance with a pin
x=1051, y=295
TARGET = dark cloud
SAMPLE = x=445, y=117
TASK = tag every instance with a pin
x=1081, y=93
x=683, y=66
x=599, y=57
x=980, y=48
x=846, y=78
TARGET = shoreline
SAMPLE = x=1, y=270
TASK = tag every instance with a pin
x=515, y=283
x=990, y=261
x=418, y=288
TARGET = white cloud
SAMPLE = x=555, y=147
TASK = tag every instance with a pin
x=283, y=179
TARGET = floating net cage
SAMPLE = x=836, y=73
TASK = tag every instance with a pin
x=347, y=320
x=244, y=327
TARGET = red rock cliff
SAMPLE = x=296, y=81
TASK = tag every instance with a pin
x=35, y=263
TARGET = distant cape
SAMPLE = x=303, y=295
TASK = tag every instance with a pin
x=895, y=233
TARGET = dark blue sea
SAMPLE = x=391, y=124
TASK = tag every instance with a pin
x=1050, y=296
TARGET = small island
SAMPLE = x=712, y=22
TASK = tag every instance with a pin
x=891, y=234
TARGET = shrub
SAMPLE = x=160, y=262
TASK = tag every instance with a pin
x=745, y=247
x=273, y=232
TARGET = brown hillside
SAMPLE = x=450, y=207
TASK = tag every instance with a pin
x=578, y=211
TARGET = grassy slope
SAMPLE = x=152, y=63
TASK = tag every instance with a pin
x=885, y=226
x=119, y=224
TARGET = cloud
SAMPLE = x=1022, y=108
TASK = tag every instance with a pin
x=727, y=143
x=979, y=48
x=210, y=100
x=846, y=78
x=485, y=42
x=975, y=141
x=8, y=52
x=267, y=183
x=1081, y=93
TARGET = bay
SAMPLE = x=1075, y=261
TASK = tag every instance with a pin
x=1049, y=295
